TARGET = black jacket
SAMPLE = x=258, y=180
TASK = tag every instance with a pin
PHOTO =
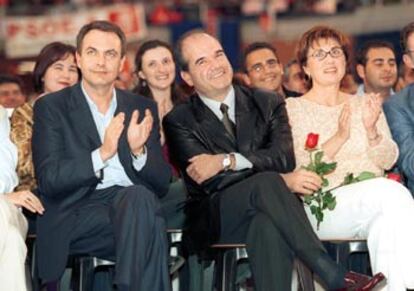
x=263, y=137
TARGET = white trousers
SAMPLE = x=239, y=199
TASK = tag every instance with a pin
x=13, y=229
x=382, y=212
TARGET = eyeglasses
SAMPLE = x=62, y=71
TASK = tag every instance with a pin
x=335, y=52
x=409, y=51
x=270, y=64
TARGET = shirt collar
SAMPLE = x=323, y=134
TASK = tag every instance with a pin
x=213, y=105
x=93, y=106
x=361, y=90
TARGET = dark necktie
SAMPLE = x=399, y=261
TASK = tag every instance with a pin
x=228, y=124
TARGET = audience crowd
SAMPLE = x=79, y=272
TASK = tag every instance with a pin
x=104, y=171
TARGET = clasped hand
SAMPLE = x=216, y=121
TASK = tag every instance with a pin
x=302, y=181
x=204, y=166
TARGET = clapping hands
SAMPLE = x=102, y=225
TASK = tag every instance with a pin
x=138, y=132
x=371, y=110
x=344, y=123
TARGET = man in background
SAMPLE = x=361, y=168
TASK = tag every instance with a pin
x=377, y=67
x=294, y=78
x=263, y=70
x=11, y=93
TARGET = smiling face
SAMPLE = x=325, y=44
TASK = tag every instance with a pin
x=264, y=70
x=60, y=74
x=158, y=68
x=100, y=59
x=328, y=70
x=209, y=70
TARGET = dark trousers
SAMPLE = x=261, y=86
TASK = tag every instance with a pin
x=125, y=224
x=261, y=212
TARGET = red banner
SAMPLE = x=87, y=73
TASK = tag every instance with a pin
x=25, y=36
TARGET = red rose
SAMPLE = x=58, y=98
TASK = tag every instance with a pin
x=394, y=176
x=312, y=141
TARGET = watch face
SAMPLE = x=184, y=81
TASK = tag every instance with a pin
x=226, y=161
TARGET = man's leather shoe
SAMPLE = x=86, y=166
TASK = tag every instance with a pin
x=358, y=282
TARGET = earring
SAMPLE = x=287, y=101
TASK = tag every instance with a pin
x=143, y=83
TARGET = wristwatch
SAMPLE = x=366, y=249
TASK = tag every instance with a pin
x=226, y=162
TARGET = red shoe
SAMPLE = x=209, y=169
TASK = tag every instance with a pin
x=358, y=282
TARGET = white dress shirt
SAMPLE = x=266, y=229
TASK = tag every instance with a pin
x=114, y=172
x=361, y=90
x=230, y=100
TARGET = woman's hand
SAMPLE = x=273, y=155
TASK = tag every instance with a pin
x=332, y=146
x=27, y=200
x=344, y=123
x=302, y=181
x=371, y=110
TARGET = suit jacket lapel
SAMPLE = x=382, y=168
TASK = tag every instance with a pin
x=81, y=115
x=246, y=118
x=212, y=126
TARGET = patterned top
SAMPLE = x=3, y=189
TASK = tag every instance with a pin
x=21, y=135
x=356, y=155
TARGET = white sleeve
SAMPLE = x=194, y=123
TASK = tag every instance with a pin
x=8, y=156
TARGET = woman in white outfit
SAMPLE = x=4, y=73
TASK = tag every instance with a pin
x=13, y=225
x=353, y=132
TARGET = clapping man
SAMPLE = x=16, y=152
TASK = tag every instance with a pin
x=100, y=170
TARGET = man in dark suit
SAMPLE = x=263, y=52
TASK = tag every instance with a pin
x=231, y=144
x=100, y=170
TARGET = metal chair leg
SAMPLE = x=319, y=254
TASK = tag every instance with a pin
x=33, y=265
x=229, y=270
x=305, y=277
x=84, y=267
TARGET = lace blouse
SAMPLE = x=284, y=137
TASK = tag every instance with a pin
x=356, y=155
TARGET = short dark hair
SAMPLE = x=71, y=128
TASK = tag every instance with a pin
x=50, y=54
x=181, y=62
x=315, y=34
x=101, y=25
x=6, y=79
x=286, y=68
x=254, y=47
x=362, y=56
x=405, y=34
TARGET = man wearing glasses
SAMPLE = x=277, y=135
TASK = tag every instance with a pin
x=263, y=70
x=399, y=110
